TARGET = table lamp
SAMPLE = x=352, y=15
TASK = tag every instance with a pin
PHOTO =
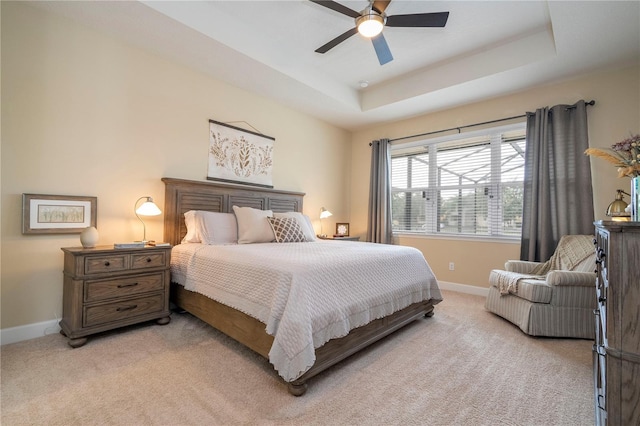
x=616, y=210
x=324, y=213
x=148, y=208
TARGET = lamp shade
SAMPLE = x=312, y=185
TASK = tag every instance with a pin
x=616, y=209
x=148, y=208
x=324, y=213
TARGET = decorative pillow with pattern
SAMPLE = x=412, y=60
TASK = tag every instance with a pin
x=286, y=229
x=304, y=221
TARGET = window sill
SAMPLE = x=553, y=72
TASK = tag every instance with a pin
x=479, y=238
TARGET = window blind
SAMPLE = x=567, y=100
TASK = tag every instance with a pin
x=467, y=185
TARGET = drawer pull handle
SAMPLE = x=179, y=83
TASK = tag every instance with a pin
x=127, y=285
x=600, y=404
x=107, y=263
x=148, y=259
x=126, y=308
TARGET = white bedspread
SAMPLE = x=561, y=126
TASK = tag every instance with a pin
x=306, y=293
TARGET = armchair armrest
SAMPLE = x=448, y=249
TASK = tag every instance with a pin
x=520, y=266
x=571, y=278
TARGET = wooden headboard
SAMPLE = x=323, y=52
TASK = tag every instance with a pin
x=182, y=195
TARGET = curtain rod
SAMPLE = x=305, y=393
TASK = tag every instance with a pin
x=592, y=102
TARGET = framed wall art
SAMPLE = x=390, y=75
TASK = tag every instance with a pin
x=239, y=156
x=342, y=230
x=57, y=214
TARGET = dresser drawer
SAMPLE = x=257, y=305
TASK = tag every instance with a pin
x=123, y=287
x=117, y=311
x=124, y=262
x=148, y=260
x=107, y=263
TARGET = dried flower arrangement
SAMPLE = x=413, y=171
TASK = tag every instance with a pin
x=625, y=155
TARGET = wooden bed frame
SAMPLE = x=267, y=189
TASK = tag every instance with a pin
x=184, y=195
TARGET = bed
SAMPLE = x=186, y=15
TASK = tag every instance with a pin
x=263, y=331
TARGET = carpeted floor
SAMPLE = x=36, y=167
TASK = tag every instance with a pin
x=464, y=366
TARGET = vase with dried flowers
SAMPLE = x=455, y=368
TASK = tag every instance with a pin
x=626, y=156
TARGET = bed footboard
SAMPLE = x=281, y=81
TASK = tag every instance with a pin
x=251, y=332
x=336, y=350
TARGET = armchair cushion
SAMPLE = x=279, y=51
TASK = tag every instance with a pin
x=535, y=290
x=511, y=282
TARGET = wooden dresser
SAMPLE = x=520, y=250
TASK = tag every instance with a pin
x=105, y=288
x=616, y=352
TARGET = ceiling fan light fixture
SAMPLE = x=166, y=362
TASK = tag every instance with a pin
x=370, y=24
x=371, y=21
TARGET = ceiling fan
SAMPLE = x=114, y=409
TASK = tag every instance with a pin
x=371, y=21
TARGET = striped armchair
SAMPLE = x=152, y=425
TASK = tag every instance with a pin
x=555, y=298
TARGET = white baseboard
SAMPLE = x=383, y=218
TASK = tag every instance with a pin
x=31, y=331
x=464, y=288
x=27, y=332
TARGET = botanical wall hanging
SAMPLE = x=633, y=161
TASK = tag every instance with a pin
x=240, y=156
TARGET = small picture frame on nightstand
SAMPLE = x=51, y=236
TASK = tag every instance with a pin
x=342, y=230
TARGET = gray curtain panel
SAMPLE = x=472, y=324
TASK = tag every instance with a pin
x=379, y=221
x=558, y=196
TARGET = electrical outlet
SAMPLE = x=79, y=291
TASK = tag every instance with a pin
x=452, y=266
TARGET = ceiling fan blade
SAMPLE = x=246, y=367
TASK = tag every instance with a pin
x=337, y=7
x=438, y=19
x=336, y=41
x=382, y=49
x=380, y=5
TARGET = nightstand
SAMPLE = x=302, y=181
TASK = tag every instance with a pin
x=339, y=238
x=106, y=288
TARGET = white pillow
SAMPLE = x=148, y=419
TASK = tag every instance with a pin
x=210, y=227
x=192, y=229
x=253, y=226
x=217, y=228
x=310, y=234
x=304, y=222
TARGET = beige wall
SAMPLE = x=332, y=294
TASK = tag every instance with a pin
x=84, y=114
x=616, y=113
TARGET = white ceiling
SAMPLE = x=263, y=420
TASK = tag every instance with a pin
x=487, y=49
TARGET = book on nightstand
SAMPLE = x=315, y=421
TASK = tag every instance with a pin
x=155, y=244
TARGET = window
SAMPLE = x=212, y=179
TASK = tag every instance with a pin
x=466, y=184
